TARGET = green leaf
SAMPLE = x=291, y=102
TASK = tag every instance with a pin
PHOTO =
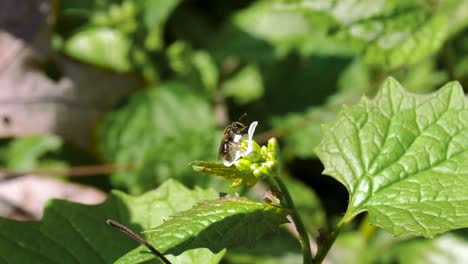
x=403, y=35
x=350, y=248
x=447, y=248
x=217, y=224
x=156, y=12
x=158, y=132
x=264, y=32
x=92, y=46
x=423, y=77
x=402, y=157
x=230, y=173
x=282, y=248
x=197, y=68
x=76, y=233
x=24, y=153
x=246, y=86
x=388, y=34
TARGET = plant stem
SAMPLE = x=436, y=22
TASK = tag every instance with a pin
x=366, y=229
x=325, y=245
x=138, y=238
x=287, y=202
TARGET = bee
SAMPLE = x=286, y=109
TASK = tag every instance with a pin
x=230, y=142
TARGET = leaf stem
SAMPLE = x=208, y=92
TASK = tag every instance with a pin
x=366, y=229
x=138, y=238
x=326, y=244
x=287, y=202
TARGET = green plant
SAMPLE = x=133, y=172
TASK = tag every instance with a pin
x=305, y=70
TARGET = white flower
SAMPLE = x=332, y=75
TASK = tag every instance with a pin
x=238, y=151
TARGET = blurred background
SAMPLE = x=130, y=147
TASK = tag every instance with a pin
x=109, y=94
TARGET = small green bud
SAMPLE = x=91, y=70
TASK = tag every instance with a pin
x=270, y=156
x=270, y=164
x=243, y=165
x=254, y=167
x=273, y=146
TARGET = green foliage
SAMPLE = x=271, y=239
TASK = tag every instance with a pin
x=232, y=174
x=133, y=27
x=447, y=248
x=394, y=36
x=72, y=233
x=281, y=248
x=155, y=123
x=388, y=34
x=23, y=154
x=91, y=45
x=197, y=68
x=218, y=224
x=289, y=64
x=246, y=86
x=308, y=205
x=401, y=157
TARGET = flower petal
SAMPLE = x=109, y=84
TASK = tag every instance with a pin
x=252, y=129
x=249, y=149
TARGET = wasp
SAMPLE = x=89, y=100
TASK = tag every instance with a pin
x=230, y=142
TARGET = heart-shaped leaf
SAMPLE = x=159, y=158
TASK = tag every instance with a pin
x=403, y=157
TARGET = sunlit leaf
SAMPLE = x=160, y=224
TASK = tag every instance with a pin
x=402, y=157
x=224, y=223
x=92, y=46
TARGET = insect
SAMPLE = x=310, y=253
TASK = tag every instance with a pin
x=230, y=142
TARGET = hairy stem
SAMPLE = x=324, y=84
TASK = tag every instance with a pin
x=287, y=202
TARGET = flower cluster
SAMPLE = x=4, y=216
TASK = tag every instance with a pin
x=251, y=159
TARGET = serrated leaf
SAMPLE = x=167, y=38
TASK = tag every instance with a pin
x=218, y=224
x=403, y=157
x=76, y=233
x=159, y=131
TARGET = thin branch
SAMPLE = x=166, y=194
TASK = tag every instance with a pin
x=138, y=238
